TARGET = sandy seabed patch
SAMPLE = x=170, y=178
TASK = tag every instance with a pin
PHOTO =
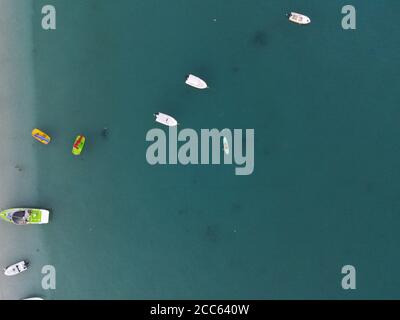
x=18, y=170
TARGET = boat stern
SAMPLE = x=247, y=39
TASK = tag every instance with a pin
x=45, y=216
x=39, y=216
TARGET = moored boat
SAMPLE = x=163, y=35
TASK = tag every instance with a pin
x=79, y=143
x=41, y=136
x=165, y=119
x=226, y=145
x=195, y=82
x=16, y=268
x=25, y=216
x=298, y=18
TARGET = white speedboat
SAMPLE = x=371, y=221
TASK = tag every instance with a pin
x=196, y=82
x=165, y=119
x=25, y=216
x=298, y=18
x=16, y=268
x=33, y=298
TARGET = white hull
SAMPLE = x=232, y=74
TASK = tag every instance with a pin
x=165, y=119
x=299, y=18
x=26, y=216
x=16, y=268
x=34, y=298
x=196, y=82
x=45, y=217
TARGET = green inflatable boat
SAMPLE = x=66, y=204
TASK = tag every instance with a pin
x=78, y=145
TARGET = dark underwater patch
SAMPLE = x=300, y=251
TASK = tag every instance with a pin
x=259, y=39
x=212, y=233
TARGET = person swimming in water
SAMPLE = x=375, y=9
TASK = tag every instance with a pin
x=104, y=132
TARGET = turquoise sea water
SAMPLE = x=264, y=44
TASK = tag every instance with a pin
x=324, y=106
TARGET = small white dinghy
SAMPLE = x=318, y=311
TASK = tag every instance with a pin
x=195, y=82
x=165, y=119
x=226, y=145
x=34, y=298
x=16, y=268
x=298, y=18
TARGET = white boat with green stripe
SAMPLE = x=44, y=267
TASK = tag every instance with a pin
x=24, y=216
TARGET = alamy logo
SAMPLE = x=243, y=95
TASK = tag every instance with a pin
x=349, y=20
x=349, y=280
x=49, y=20
x=49, y=279
x=189, y=153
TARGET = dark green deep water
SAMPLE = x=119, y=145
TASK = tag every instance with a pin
x=324, y=103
